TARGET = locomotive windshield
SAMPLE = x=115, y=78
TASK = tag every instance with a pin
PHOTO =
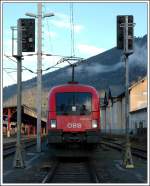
x=73, y=103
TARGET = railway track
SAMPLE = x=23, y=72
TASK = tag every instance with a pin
x=72, y=171
x=119, y=146
x=10, y=148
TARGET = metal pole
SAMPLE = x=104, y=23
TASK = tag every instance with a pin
x=73, y=73
x=19, y=101
x=39, y=76
x=18, y=161
x=126, y=78
x=39, y=69
x=8, y=124
x=105, y=119
x=127, y=98
x=128, y=162
x=109, y=117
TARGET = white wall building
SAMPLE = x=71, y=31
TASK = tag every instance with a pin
x=113, y=117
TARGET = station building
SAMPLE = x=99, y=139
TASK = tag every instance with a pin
x=138, y=106
x=28, y=125
x=113, y=116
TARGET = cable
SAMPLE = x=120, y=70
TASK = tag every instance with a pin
x=10, y=58
x=49, y=35
x=51, y=68
x=54, y=66
x=25, y=68
x=10, y=76
x=12, y=71
x=30, y=54
x=72, y=29
x=9, y=68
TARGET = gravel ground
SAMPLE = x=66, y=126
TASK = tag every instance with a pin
x=109, y=166
x=107, y=162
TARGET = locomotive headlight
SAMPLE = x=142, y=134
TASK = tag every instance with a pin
x=94, y=123
x=53, y=123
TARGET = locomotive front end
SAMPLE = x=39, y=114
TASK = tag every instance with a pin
x=73, y=115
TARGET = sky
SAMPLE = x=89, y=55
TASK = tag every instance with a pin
x=94, y=32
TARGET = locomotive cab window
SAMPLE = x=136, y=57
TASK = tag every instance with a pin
x=73, y=103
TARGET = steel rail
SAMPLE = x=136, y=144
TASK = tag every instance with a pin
x=86, y=168
x=135, y=151
x=11, y=149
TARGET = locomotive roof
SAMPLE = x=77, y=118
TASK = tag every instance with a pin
x=72, y=85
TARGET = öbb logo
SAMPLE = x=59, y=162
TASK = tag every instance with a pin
x=74, y=125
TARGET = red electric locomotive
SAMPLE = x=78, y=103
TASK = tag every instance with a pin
x=73, y=115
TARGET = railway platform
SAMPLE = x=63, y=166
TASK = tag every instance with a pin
x=29, y=120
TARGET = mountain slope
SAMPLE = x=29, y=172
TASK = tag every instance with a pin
x=101, y=71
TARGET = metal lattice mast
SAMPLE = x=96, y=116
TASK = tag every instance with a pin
x=39, y=16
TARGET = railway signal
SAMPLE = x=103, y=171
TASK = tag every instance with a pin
x=125, y=37
x=130, y=33
x=18, y=159
x=25, y=43
x=27, y=28
x=120, y=35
